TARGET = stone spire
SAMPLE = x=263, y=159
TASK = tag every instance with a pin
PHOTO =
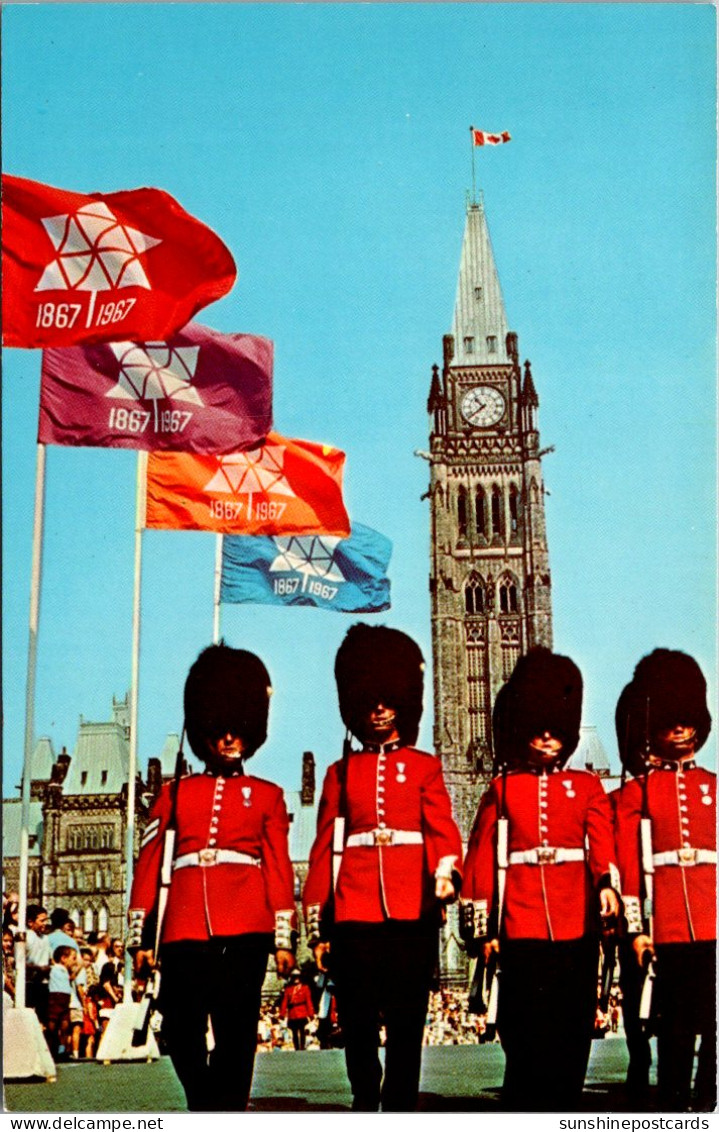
x=480, y=320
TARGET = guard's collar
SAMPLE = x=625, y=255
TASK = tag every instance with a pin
x=382, y=748
x=669, y=764
x=223, y=772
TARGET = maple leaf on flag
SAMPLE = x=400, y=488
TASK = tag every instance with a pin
x=248, y=473
x=155, y=372
x=313, y=555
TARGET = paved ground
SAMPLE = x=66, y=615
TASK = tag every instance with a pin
x=454, y=1079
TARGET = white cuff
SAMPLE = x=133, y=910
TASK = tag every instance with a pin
x=283, y=930
x=633, y=914
x=312, y=920
x=614, y=878
x=136, y=922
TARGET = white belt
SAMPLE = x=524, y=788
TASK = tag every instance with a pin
x=208, y=857
x=385, y=837
x=685, y=857
x=545, y=855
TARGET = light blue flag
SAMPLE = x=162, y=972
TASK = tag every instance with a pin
x=345, y=574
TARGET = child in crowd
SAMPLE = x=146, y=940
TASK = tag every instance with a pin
x=58, y=1011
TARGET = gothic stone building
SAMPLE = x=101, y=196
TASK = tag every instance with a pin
x=489, y=571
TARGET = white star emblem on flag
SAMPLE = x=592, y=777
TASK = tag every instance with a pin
x=155, y=371
x=313, y=555
x=248, y=473
x=95, y=252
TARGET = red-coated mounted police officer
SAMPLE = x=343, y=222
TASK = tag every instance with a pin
x=231, y=897
x=385, y=829
x=541, y=850
x=666, y=841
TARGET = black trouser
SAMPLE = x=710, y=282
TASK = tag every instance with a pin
x=220, y=979
x=685, y=1001
x=382, y=973
x=547, y=1007
x=297, y=1029
x=631, y=981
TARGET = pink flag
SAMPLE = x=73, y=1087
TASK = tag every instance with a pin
x=201, y=391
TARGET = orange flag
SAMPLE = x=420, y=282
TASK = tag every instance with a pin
x=282, y=487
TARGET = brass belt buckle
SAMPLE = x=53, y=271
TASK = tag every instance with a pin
x=383, y=837
x=207, y=857
x=546, y=855
x=687, y=856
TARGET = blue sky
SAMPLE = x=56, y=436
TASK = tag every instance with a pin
x=328, y=145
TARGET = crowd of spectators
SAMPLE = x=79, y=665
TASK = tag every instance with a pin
x=73, y=982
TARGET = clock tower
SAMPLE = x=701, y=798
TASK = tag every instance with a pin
x=489, y=571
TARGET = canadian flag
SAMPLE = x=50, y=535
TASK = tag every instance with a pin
x=101, y=267
x=481, y=137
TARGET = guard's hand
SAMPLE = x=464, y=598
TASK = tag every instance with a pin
x=643, y=949
x=444, y=890
x=285, y=961
x=322, y=952
x=487, y=949
x=608, y=903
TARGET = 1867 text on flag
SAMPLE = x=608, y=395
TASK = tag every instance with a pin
x=100, y=267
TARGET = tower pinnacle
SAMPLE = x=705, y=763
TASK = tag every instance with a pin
x=480, y=320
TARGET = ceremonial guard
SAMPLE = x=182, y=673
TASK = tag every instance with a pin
x=231, y=897
x=631, y=976
x=666, y=840
x=385, y=859
x=539, y=874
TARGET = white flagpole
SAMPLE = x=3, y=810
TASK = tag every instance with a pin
x=35, y=582
x=216, y=596
x=134, y=695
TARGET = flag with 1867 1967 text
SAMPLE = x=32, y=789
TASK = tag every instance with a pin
x=281, y=487
x=200, y=391
x=98, y=267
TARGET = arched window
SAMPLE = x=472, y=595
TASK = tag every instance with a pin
x=513, y=508
x=474, y=594
x=70, y=880
x=507, y=595
x=480, y=511
x=98, y=878
x=102, y=919
x=89, y=920
x=497, y=524
x=462, y=511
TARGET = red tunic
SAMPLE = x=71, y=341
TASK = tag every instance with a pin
x=297, y=1002
x=682, y=809
x=241, y=814
x=399, y=789
x=563, y=810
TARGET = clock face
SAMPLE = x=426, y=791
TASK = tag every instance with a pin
x=482, y=406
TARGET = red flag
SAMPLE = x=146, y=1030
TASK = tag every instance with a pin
x=282, y=487
x=481, y=137
x=201, y=391
x=93, y=268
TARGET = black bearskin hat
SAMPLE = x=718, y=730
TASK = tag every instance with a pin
x=544, y=693
x=668, y=688
x=374, y=665
x=227, y=690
